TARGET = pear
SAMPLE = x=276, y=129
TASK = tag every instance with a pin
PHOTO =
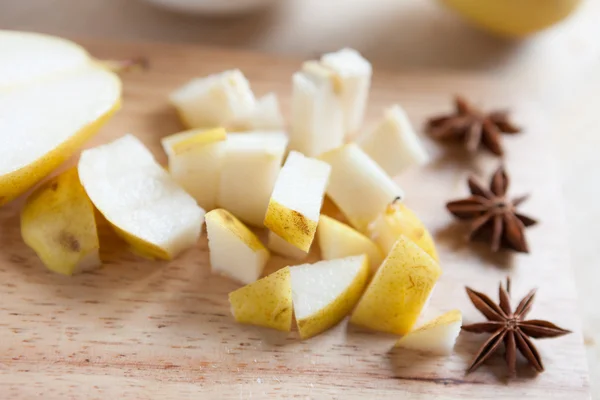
x=266, y=302
x=265, y=115
x=195, y=159
x=69, y=109
x=354, y=72
x=325, y=292
x=394, y=144
x=215, y=100
x=281, y=247
x=235, y=251
x=358, y=186
x=399, y=290
x=295, y=204
x=317, y=123
x=58, y=223
x=397, y=220
x=338, y=240
x=437, y=336
x=140, y=199
x=250, y=167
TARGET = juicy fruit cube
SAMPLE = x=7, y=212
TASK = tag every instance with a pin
x=358, y=186
x=265, y=115
x=235, y=251
x=281, y=247
x=437, y=336
x=394, y=144
x=295, y=204
x=325, y=292
x=399, y=290
x=58, y=222
x=140, y=199
x=266, y=302
x=251, y=164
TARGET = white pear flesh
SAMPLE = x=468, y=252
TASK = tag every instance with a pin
x=358, y=186
x=26, y=57
x=355, y=73
x=295, y=205
x=394, y=144
x=325, y=292
x=338, y=240
x=283, y=248
x=235, y=251
x=44, y=123
x=195, y=159
x=250, y=167
x=266, y=115
x=140, y=199
x=216, y=100
x=437, y=336
x=317, y=123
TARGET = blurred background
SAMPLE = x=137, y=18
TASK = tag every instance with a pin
x=562, y=60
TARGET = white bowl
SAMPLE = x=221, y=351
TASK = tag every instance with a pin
x=211, y=7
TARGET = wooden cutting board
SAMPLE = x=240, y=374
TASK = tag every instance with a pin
x=147, y=329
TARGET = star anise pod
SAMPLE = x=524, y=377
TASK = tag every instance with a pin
x=493, y=214
x=511, y=328
x=472, y=126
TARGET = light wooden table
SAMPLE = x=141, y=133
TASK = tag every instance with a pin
x=400, y=34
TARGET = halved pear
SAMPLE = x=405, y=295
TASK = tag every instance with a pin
x=266, y=302
x=295, y=205
x=338, y=240
x=317, y=123
x=355, y=73
x=215, y=100
x=399, y=290
x=43, y=123
x=195, y=159
x=394, y=144
x=281, y=247
x=235, y=251
x=58, y=223
x=358, y=186
x=437, y=336
x=398, y=220
x=140, y=199
x=251, y=163
x=26, y=57
x=325, y=292
x=265, y=115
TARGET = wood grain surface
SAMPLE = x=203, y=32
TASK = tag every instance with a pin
x=143, y=329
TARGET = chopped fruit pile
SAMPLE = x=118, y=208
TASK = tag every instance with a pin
x=230, y=164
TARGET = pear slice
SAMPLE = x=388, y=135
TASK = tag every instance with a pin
x=394, y=144
x=397, y=220
x=195, y=159
x=338, y=240
x=140, y=199
x=26, y=57
x=325, y=292
x=251, y=163
x=69, y=109
x=235, y=251
x=295, y=205
x=215, y=100
x=266, y=302
x=282, y=247
x=355, y=74
x=265, y=115
x=317, y=123
x=58, y=223
x=358, y=186
x=399, y=290
x=437, y=336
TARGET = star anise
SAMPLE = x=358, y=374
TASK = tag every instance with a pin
x=511, y=328
x=493, y=214
x=473, y=126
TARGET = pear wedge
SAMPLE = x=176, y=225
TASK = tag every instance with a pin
x=284, y=248
x=437, y=336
